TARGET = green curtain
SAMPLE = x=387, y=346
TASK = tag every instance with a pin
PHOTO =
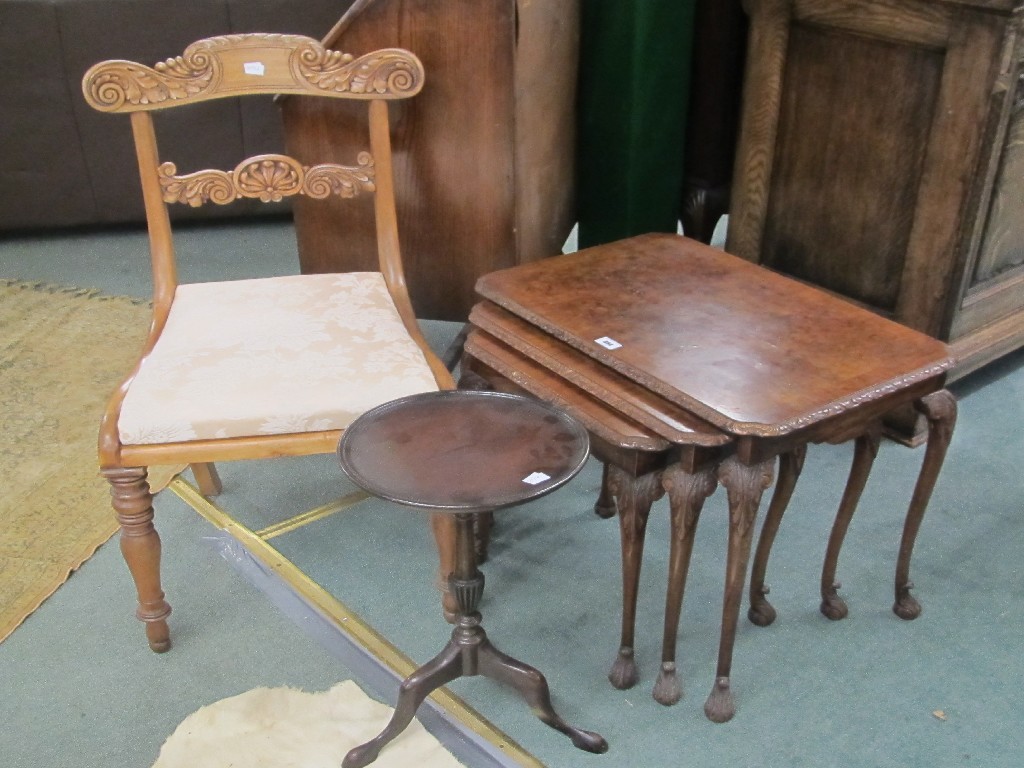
x=633, y=96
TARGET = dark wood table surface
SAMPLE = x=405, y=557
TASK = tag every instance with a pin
x=744, y=348
x=771, y=363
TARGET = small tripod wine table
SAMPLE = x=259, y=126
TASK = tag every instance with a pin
x=463, y=453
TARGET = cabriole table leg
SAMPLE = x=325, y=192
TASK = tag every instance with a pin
x=634, y=497
x=791, y=464
x=940, y=409
x=687, y=492
x=744, y=483
x=865, y=451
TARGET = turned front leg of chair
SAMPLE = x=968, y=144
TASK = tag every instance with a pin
x=140, y=546
x=865, y=451
x=744, y=483
x=687, y=492
x=940, y=409
x=634, y=497
x=791, y=464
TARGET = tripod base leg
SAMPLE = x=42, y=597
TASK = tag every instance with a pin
x=442, y=669
x=533, y=686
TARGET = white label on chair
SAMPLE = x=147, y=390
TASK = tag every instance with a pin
x=536, y=478
x=254, y=68
x=607, y=342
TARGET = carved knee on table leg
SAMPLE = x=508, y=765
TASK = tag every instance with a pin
x=140, y=546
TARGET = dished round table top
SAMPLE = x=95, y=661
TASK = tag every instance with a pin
x=463, y=451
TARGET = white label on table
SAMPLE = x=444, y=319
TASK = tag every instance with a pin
x=535, y=478
x=254, y=68
x=607, y=342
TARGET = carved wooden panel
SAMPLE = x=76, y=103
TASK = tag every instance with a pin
x=989, y=320
x=1003, y=246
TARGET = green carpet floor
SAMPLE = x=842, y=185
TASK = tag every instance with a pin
x=81, y=687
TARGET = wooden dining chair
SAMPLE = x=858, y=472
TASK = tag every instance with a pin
x=264, y=367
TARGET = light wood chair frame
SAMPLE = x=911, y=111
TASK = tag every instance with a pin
x=222, y=67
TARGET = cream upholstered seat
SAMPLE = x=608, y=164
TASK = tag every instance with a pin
x=305, y=353
x=265, y=367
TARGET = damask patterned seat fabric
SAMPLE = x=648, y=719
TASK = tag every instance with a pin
x=304, y=353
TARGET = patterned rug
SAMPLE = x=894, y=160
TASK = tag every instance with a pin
x=62, y=352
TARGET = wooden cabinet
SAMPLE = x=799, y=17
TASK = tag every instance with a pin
x=880, y=157
x=484, y=155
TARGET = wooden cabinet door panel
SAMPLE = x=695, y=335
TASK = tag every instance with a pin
x=849, y=158
x=864, y=125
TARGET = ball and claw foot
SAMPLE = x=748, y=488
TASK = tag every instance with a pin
x=906, y=605
x=624, y=672
x=832, y=605
x=761, y=611
x=668, y=690
x=720, y=706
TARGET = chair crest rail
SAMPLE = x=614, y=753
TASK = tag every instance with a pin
x=234, y=65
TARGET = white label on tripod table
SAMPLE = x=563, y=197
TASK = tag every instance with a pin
x=254, y=68
x=536, y=478
x=607, y=342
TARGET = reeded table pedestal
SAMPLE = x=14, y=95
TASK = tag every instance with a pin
x=463, y=453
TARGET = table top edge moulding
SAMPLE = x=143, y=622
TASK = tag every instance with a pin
x=618, y=299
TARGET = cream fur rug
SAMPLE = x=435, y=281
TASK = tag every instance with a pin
x=289, y=728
